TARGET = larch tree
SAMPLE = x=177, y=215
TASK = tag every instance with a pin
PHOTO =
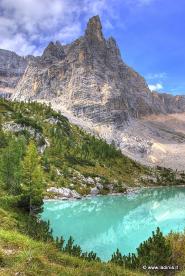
x=10, y=160
x=32, y=181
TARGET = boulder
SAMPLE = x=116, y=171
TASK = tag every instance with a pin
x=75, y=194
x=90, y=181
x=97, y=179
x=110, y=187
x=94, y=191
x=99, y=186
x=64, y=192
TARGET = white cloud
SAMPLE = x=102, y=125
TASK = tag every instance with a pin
x=155, y=87
x=26, y=26
x=19, y=44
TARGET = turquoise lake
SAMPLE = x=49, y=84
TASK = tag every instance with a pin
x=105, y=223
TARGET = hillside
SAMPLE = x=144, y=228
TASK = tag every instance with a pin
x=69, y=155
x=72, y=158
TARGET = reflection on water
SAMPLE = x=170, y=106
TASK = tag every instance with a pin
x=105, y=223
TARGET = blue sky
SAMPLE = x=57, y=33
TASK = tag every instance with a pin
x=150, y=33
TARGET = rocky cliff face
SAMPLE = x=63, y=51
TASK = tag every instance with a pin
x=89, y=78
x=12, y=67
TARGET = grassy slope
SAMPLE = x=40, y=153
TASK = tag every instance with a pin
x=22, y=254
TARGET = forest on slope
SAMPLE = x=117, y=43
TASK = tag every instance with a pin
x=68, y=155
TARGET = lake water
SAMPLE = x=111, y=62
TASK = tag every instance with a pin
x=105, y=223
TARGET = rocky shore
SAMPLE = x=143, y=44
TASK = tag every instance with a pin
x=68, y=194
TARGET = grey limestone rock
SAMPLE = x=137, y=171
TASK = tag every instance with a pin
x=12, y=68
x=94, y=191
x=64, y=192
x=54, y=51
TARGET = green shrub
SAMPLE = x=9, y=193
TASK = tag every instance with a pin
x=154, y=251
x=37, y=229
x=75, y=250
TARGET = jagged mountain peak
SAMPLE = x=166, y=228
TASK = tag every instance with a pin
x=54, y=50
x=94, y=24
x=94, y=29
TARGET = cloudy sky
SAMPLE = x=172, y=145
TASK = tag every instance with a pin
x=150, y=33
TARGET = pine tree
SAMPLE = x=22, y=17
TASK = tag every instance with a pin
x=69, y=246
x=117, y=258
x=156, y=250
x=61, y=243
x=32, y=181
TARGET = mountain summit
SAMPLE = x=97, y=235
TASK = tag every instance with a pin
x=54, y=50
x=89, y=80
x=94, y=29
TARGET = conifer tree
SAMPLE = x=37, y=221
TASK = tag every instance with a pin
x=117, y=257
x=156, y=250
x=32, y=181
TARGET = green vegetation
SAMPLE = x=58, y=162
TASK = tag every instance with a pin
x=154, y=251
x=75, y=250
x=29, y=257
x=157, y=251
x=39, y=148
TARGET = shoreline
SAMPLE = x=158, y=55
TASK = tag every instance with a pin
x=130, y=191
x=93, y=196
